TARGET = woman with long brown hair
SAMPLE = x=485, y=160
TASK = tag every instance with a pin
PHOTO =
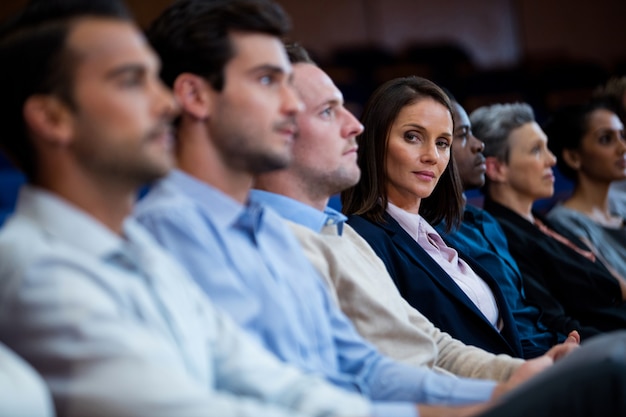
x=408, y=184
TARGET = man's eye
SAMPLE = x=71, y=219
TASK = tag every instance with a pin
x=267, y=79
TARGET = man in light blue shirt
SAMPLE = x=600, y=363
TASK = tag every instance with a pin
x=114, y=325
x=238, y=121
x=324, y=164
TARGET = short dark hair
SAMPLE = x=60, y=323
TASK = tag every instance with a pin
x=297, y=54
x=193, y=35
x=35, y=60
x=566, y=127
x=369, y=196
x=614, y=89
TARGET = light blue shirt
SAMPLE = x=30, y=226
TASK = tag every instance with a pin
x=248, y=261
x=117, y=328
x=22, y=391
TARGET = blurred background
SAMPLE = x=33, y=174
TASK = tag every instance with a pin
x=544, y=52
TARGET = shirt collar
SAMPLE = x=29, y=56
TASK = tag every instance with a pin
x=301, y=213
x=75, y=227
x=412, y=223
x=225, y=211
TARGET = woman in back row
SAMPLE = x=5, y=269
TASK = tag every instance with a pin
x=588, y=140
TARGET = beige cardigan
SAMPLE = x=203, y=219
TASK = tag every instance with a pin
x=361, y=285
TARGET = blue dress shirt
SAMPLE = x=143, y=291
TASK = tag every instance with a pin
x=481, y=237
x=117, y=328
x=249, y=262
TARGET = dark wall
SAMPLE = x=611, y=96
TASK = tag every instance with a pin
x=484, y=50
x=494, y=32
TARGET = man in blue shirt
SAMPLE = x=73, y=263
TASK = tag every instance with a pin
x=233, y=80
x=482, y=238
x=114, y=325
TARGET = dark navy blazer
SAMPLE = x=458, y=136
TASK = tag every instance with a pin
x=428, y=288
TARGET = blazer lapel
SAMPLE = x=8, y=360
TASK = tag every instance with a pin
x=405, y=243
x=509, y=331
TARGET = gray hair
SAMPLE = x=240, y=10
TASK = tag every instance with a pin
x=493, y=125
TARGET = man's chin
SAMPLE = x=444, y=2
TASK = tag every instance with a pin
x=153, y=174
x=271, y=163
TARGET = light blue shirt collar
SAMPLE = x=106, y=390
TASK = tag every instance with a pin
x=226, y=211
x=63, y=220
x=298, y=212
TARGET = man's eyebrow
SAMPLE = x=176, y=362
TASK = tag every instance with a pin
x=268, y=68
x=333, y=101
x=125, y=69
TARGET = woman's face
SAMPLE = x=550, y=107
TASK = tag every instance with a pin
x=601, y=155
x=418, y=151
x=529, y=169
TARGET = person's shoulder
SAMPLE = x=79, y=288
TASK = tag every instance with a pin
x=359, y=222
x=350, y=233
x=364, y=226
x=560, y=214
x=24, y=391
x=160, y=200
x=22, y=242
x=304, y=233
x=379, y=236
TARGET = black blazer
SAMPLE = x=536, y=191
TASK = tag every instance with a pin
x=572, y=291
x=428, y=288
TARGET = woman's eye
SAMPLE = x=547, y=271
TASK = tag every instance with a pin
x=443, y=143
x=410, y=136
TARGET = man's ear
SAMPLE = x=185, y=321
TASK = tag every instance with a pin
x=572, y=158
x=49, y=119
x=193, y=93
x=496, y=169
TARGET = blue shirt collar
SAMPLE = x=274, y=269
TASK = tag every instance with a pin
x=226, y=211
x=301, y=213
